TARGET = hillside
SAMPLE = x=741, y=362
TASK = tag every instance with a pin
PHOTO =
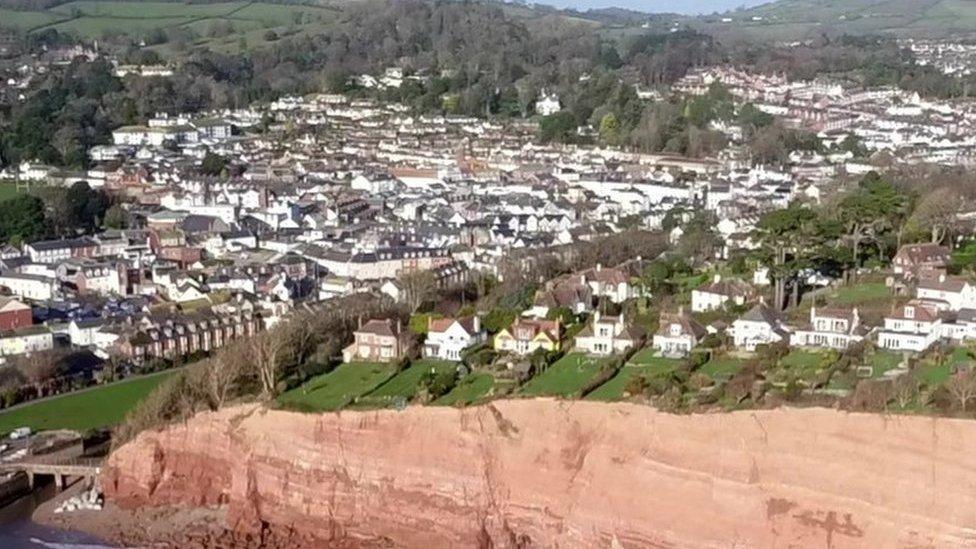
x=803, y=19
x=230, y=26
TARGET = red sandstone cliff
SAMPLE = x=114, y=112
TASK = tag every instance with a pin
x=542, y=473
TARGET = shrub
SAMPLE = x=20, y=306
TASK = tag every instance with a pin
x=175, y=399
x=699, y=381
x=636, y=386
x=499, y=319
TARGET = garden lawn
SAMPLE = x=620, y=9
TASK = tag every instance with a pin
x=721, y=368
x=863, y=293
x=567, y=377
x=883, y=361
x=649, y=368
x=933, y=374
x=472, y=388
x=8, y=191
x=338, y=388
x=89, y=409
x=405, y=384
x=802, y=366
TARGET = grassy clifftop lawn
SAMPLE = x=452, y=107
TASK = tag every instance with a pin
x=94, y=408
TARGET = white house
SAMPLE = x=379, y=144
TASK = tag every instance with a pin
x=911, y=327
x=448, y=337
x=36, y=287
x=946, y=292
x=606, y=335
x=678, y=334
x=26, y=341
x=548, y=104
x=716, y=294
x=760, y=326
x=830, y=329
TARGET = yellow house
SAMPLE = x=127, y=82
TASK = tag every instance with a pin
x=524, y=337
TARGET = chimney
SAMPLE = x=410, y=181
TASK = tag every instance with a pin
x=596, y=317
x=942, y=277
x=599, y=267
x=476, y=323
x=717, y=278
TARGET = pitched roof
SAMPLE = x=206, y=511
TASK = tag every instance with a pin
x=530, y=328
x=763, y=313
x=384, y=327
x=927, y=252
x=954, y=284
x=688, y=325
x=440, y=325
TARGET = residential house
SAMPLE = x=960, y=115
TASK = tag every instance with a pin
x=913, y=259
x=677, y=334
x=760, y=326
x=14, y=314
x=29, y=286
x=181, y=335
x=569, y=292
x=946, y=292
x=914, y=326
x=525, y=336
x=719, y=292
x=30, y=339
x=830, y=328
x=607, y=335
x=377, y=341
x=448, y=337
x=611, y=283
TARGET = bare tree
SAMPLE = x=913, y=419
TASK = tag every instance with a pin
x=221, y=374
x=418, y=287
x=265, y=352
x=301, y=332
x=962, y=387
x=905, y=389
x=40, y=369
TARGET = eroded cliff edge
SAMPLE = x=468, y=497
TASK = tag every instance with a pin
x=567, y=474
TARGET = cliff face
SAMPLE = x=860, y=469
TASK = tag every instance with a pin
x=542, y=473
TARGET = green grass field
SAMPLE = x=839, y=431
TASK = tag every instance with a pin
x=92, y=409
x=8, y=191
x=932, y=374
x=468, y=391
x=405, y=384
x=649, y=367
x=862, y=294
x=249, y=21
x=338, y=388
x=27, y=20
x=566, y=377
x=883, y=361
x=721, y=368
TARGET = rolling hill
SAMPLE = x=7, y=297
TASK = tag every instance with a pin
x=802, y=19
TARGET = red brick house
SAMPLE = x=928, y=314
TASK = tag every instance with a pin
x=377, y=341
x=182, y=335
x=14, y=314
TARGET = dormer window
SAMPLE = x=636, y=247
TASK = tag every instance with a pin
x=675, y=329
x=909, y=312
